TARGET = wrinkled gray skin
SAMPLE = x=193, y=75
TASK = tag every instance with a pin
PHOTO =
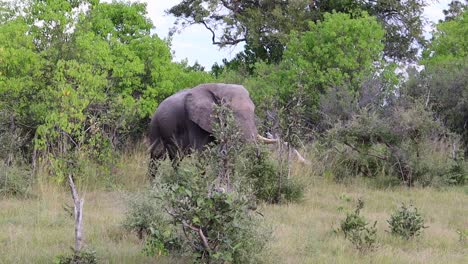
x=183, y=121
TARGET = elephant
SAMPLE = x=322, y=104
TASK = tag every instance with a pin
x=183, y=121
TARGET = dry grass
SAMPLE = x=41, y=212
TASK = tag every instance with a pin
x=37, y=230
x=303, y=233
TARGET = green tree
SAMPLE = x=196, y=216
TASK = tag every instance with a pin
x=265, y=25
x=338, y=51
x=341, y=51
x=454, y=10
x=443, y=84
x=84, y=77
x=20, y=68
x=448, y=43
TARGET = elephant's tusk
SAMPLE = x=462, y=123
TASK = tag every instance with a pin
x=273, y=141
x=267, y=140
x=300, y=158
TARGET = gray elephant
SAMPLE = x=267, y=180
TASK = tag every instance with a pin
x=183, y=121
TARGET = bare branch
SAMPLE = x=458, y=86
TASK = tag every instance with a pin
x=368, y=154
x=221, y=43
x=193, y=228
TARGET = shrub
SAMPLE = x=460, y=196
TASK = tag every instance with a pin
x=400, y=141
x=146, y=217
x=210, y=223
x=144, y=214
x=14, y=180
x=357, y=230
x=85, y=256
x=406, y=222
x=264, y=172
x=209, y=203
x=458, y=174
x=162, y=239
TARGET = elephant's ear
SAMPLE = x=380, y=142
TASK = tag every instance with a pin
x=199, y=107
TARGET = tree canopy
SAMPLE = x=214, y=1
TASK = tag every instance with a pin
x=83, y=74
x=265, y=25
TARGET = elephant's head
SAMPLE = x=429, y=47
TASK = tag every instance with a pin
x=200, y=101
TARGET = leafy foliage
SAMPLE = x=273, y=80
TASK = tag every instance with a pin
x=455, y=9
x=144, y=214
x=444, y=84
x=340, y=51
x=357, y=230
x=406, y=222
x=84, y=76
x=265, y=25
x=448, y=43
x=269, y=181
x=401, y=141
x=209, y=203
x=85, y=256
x=14, y=180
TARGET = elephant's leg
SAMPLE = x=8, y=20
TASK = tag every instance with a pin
x=175, y=153
x=158, y=152
x=152, y=168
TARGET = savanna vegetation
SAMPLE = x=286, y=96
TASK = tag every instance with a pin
x=380, y=112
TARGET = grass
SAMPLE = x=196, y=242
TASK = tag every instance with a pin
x=36, y=230
x=304, y=232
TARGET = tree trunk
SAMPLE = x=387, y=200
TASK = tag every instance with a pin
x=78, y=213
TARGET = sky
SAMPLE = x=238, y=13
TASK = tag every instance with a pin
x=194, y=42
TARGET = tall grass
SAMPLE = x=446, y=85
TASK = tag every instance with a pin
x=35, y=230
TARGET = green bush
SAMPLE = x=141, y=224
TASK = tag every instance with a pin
x=406, y=222
x=357, y=230
x=84, y=256
x=209, y=203
x=162, y=240
x=263, y=172
x=14, y=180
x=146, y=217
x=209, y=222
x=144, y=214
x=458, y=174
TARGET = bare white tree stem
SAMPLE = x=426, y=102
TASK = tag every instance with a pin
x=78, y=214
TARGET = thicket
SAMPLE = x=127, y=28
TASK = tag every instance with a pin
x=403, y=142
x=367, y=120
x=81, y=77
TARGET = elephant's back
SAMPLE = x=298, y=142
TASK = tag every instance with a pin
x=225, y=88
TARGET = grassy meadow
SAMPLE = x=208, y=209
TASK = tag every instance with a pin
x=38, y=228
